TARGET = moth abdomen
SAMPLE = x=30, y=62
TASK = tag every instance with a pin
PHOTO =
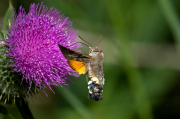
x=95, y=96
x=95, y=91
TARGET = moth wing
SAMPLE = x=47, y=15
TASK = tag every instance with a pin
x=72, y=55
x=78, y=66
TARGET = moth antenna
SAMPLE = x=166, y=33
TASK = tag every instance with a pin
x=84, y=40
x=99, y=41
x=83, y=43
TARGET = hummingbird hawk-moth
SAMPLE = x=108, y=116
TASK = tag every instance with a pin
x=92, y=64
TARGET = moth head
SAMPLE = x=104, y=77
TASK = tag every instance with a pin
x=94, y=49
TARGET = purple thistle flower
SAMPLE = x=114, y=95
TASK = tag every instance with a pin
x=32, y=43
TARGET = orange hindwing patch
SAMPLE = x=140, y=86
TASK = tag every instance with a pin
x=79, y=67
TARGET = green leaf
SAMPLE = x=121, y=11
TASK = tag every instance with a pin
x=8, y=17
x=3, y=110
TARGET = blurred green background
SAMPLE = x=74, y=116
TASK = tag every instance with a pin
x=141, y=44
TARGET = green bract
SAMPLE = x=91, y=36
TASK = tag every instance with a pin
x=10, y=82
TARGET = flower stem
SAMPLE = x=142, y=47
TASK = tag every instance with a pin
x=23, y=108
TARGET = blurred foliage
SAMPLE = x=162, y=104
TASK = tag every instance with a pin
x=140, y=82
x=8, y=17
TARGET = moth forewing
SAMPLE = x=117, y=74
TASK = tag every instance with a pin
x=73, y=55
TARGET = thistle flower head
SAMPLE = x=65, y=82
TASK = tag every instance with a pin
x=32, y=45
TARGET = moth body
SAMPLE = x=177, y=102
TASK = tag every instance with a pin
x=92, y=64
x=96, y=75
